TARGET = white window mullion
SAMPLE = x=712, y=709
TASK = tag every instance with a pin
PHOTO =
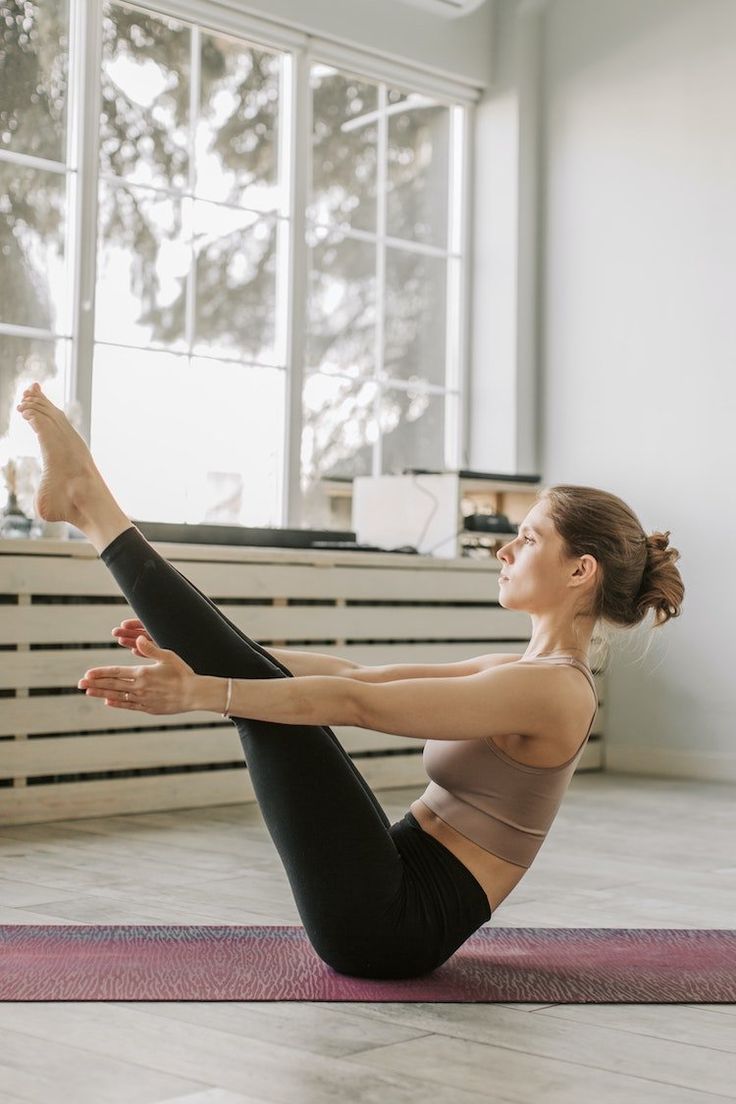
x=395, y=384
x=27, y=160
x=8, y=329
x=295, y=161
x=381, y=174
x=84, y=128
x=465, y=297
x=194, y=95
x=453, y=306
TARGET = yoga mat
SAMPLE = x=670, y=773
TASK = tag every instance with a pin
x=45, y=962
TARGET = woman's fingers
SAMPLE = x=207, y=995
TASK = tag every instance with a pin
x=131, y=625
x=98, y=680
x=128, y=631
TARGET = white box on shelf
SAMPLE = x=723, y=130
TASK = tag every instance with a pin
x=421, y=510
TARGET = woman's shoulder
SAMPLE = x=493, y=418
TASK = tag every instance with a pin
x=571, y=684
x=495, y=659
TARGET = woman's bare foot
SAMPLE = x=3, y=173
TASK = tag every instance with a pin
x=71, y=487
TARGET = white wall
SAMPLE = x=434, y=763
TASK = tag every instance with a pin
x=638, y=391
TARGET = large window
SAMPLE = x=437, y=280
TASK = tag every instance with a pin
x=380, y=386
x=253, y=326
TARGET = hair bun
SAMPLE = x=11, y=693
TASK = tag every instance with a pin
x=658, y=541
x=661, y=586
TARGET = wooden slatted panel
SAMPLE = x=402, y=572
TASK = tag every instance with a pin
x=56, y=621
x=110, y=797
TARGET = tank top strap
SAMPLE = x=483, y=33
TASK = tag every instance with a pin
x=588, y=674
x=575, y=663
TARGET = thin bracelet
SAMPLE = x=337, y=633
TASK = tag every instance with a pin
x=229, y=695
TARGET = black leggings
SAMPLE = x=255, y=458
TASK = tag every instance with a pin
x=377, y=900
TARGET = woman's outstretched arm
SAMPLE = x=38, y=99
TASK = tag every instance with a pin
x=509, y=698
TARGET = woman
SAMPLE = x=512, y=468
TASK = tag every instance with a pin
x=384, y=900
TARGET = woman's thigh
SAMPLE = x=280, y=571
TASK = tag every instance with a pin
x=436, y=907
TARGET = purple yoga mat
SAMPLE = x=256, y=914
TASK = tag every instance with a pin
x=45, y=962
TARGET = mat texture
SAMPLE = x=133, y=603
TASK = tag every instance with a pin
x=45, y=962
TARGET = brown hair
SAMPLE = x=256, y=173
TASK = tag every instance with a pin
x=637, y=570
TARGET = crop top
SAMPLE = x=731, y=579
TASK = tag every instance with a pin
x=504, y=806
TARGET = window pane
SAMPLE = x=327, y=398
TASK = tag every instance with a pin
x=141, y=430
x=413, y=430
x=237, y=472
x=344, y=145
x=34, y=46
x=237, y=131
x=418, y=167
x=32, y=264
x=338, y=433
x=236, y=283
x=416, y=317
x=144, y=123
x=22, y=361
x=144, y=255
x=341, y=308
x=208, y=437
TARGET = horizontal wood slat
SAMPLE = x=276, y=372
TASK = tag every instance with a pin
x=328, y=581
x=76, y=624
x=108, y=797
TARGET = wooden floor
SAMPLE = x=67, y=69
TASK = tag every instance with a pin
x=624, y=851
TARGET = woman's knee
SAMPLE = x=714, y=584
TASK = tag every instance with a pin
x=373, y=957
x=377, y=968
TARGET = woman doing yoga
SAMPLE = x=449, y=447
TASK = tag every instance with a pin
x=503, y=733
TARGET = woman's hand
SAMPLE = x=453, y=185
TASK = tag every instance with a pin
x=166, y=686
x=128, y=632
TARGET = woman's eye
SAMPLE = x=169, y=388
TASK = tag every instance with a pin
x=529, y=540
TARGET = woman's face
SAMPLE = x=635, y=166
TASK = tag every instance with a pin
x=532, y=576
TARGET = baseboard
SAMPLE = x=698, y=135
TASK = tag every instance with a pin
x=663, y=762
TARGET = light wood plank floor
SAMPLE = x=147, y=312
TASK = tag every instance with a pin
x=624, y=851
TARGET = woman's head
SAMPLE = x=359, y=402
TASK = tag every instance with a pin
x=592, y=558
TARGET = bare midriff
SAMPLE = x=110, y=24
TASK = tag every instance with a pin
x=497, y=876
